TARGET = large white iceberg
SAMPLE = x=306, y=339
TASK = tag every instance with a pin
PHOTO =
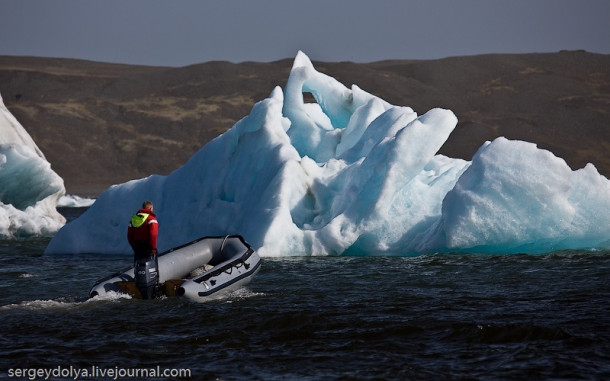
x=29, y=188
x=354, y=175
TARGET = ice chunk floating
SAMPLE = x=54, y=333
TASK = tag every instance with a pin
x=354, y=175
x=29, y=188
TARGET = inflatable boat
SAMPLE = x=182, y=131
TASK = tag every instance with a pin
x=201, y=270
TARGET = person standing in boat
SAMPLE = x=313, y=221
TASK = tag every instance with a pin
x=143, y=231
x=142, y=236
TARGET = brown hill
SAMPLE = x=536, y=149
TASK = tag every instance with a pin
x=100, y=124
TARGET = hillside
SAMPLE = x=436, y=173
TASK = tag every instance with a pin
x=100, y=124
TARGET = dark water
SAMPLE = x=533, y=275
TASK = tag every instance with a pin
x=348, y=318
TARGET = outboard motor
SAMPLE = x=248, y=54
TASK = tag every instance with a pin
x=146, y=272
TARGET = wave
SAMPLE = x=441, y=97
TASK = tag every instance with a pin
x=62, y=303
x=112, y=296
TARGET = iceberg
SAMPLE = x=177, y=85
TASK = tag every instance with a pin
x=351, y=174
x=74, y=201
x=517, y=198
x=29, y=188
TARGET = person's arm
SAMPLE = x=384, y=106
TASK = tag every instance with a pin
x=130, y=236
x=154, y=232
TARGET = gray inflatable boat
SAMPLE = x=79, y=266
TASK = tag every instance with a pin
x=202, y=270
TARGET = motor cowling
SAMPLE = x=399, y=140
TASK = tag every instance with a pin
x=146, y=272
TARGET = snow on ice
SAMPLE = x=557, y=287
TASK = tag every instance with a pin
x=29, y=189
x=354, y=175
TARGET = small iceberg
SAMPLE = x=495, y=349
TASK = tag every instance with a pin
x=29, y=189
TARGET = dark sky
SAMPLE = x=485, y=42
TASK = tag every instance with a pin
x=179, y=32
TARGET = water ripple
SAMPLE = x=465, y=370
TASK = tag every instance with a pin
x=437, y=316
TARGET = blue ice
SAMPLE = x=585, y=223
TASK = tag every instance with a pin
x=354, y=175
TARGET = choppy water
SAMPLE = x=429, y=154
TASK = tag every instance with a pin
x=429, y=317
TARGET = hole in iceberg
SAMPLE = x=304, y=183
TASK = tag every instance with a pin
x=308, y=97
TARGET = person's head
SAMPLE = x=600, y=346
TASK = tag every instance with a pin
x=147, y=205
